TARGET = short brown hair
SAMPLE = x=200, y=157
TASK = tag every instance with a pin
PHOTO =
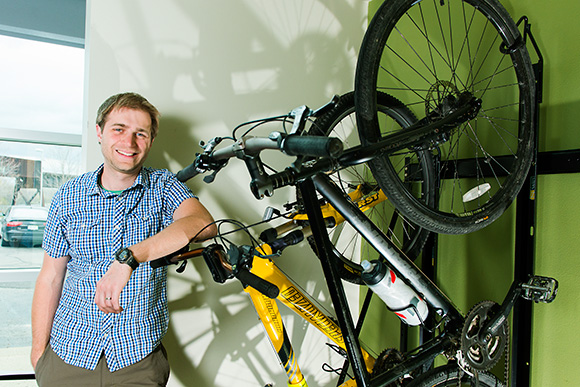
x=131, y=101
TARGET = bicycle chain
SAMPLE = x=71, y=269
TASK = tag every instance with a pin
x=506, y=371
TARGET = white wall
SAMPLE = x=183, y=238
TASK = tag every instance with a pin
x=208, y=66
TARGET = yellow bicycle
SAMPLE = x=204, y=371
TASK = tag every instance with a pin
x=327, y=200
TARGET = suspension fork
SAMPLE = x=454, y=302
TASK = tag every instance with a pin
x=271, y=320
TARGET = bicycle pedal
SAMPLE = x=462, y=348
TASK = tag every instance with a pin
x=540, y=289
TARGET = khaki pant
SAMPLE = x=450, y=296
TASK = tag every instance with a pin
x=153, y=370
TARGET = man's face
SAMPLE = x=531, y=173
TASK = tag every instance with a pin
x=125, y=140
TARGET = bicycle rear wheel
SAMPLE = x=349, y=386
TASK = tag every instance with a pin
x=452, y=375
x=348, y=244
x=431, y=55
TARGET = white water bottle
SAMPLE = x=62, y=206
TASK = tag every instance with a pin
x=398, y=296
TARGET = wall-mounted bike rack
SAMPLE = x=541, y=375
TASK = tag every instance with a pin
x=544, y=163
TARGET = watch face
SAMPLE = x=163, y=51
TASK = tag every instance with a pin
x=124, y=255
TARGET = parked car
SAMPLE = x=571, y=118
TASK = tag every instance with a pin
x=23, y=226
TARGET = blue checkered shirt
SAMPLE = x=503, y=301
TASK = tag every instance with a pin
x=89, y=225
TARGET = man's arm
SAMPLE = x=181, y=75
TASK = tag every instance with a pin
x=189, y=218
x=47, y=294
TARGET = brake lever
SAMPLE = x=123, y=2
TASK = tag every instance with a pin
x=204, y=163
x=181, y=267
x=210, y=178
x=210, y=146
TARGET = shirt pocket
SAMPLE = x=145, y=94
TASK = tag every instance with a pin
x=87, y=238
x=143, y=223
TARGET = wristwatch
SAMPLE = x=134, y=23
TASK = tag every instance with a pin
x=125, y=256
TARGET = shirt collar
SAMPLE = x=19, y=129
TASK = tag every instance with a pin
x=143, y=180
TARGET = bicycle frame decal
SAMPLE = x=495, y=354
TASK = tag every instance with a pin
x=296, y=300
x=364, y=203
x=302, y=305
x=272, y=322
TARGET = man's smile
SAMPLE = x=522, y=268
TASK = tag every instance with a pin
x=127, y=154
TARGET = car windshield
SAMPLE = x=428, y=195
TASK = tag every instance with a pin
x=29, y=213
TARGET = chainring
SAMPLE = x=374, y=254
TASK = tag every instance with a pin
x=482, y=353
x=388, y=359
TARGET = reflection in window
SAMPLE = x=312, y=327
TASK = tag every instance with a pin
x=30, y=174
x=40, y=126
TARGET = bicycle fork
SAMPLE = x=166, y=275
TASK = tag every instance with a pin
x=272, y=322
x=294, y=299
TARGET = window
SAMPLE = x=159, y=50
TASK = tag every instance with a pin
x=40, y=137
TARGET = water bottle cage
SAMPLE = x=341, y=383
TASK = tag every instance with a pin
x=405, y=308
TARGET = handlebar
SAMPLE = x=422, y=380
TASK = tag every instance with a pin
x=292, y=145
x=250, y=279
x=249, y=148
x=236, y=262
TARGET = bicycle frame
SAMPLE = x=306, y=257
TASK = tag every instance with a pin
x=295, y=300
x=364, y=203
x=349, y=209
x=402, y=265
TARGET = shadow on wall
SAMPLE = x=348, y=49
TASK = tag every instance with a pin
x=219, y=64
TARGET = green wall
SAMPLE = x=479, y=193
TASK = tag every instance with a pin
x=479, y=266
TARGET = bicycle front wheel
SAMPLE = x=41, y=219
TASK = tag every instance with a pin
x=452, y=375
x=359, y=184
x=432, y=55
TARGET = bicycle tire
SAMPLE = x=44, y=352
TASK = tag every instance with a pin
x=452, y=375
x=426, y=54
x=340, y=122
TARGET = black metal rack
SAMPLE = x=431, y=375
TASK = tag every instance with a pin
x=544, y=163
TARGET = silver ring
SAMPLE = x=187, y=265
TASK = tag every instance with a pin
x=108, y=298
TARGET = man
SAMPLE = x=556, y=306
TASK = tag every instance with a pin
x=99, y=311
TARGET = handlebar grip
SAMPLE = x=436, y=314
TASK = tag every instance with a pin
x=159, y=262
x=187, y=173
x=316, y=146
x=176, y=257
x=266, y=288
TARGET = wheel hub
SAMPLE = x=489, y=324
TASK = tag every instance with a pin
x=444, y=98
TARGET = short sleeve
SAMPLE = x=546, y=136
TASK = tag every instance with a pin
x=54, y=241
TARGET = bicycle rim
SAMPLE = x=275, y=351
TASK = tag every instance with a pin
x=348, y=244
x=427, y=54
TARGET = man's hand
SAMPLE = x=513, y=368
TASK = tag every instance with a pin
x=35, y=354
x=110, y=286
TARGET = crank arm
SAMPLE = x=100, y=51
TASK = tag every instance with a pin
x=537, y=289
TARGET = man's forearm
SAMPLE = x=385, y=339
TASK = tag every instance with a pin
x=45, y=301
x=173, y=238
